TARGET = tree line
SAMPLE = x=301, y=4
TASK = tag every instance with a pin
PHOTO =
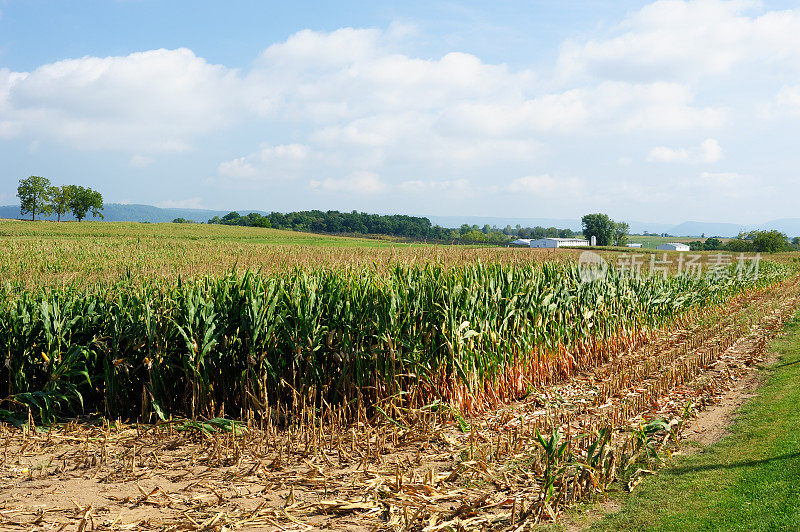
x=750, y=242
x=400, y=225
x=37, y=196
x=334, y=222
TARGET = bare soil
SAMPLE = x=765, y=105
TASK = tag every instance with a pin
x=711, y=424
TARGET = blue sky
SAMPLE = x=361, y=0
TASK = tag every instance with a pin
x=660, y=112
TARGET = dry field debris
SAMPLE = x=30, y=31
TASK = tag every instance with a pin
x=397, y=467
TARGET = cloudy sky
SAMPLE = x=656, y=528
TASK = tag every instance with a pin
x=660, y=112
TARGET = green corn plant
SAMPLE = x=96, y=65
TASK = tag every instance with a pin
x=214, y=426
x=63, y=388
x=470, y=335
x=553, y=464
x=597, y=468
x=195, y=321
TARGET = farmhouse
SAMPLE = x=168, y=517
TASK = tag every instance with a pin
x=521, y=242
x=558, y=242
x=673, y=246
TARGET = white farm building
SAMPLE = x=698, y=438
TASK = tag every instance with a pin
x=673, y=246
x=558, y=242
x=521, y=242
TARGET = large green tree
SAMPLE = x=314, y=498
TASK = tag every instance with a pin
x=34, y=196
x=600, y=226
x=770, y=241
x=59, y=199
x=84, y=199
x=621, y=230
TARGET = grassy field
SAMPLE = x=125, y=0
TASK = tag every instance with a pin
x=748, y=481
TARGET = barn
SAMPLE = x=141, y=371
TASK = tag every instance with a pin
x=673, y=246
x=559, y=243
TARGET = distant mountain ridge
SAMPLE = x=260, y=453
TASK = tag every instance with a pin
x=132, y=212
x=706, y=228
x=123, y=212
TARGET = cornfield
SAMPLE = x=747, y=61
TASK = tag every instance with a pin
x=360, y=339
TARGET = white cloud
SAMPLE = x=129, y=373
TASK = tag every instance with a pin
x=356, y=100
x=154, y=101
x=370, y=107
x=360, y=182
x=785, y=104
x=709, y=151
x=268, y=163
x=450, y=186
x=544, y=185
x=608, y=107
x=668, y=155
x=675, y=39
x=789, y=97
x=724, y=179
x=727, y=185
x=188, y=203
x=323, y=51
x=658, y=106
x=9, y=129
x=140, y=161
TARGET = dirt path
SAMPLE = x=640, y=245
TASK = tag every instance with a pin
x=437, y=475
x=711, y=424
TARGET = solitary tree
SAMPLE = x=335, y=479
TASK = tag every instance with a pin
x=59, y=199
x=599, y=226
x=83, y=199
x=34, y=196
x=621, y=230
